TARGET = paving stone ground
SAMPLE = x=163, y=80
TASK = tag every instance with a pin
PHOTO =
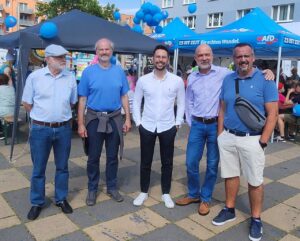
x=112, y=221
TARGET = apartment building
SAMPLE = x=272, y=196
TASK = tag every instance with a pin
x=211, y=14
x=22, y=10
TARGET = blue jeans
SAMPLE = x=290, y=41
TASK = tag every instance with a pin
x=42, y=139
x=200, y=134
x=96, y=140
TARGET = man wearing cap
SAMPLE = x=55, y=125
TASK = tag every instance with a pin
x=102, y=92
x=48, y=96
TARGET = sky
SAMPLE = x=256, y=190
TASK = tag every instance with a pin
x=128, y=6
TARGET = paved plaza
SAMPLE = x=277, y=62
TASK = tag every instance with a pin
x=112, y=221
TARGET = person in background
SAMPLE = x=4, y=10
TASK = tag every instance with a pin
x=7, y=100
x=8, y=69
x=294, y=75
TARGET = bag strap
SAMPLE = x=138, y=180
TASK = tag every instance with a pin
x=237, y=87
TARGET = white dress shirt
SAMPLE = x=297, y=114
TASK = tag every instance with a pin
x=159, y=100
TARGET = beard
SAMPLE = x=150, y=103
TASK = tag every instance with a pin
x=160, y=67
x=104, y=58
x=58, y=66
x=204, y=65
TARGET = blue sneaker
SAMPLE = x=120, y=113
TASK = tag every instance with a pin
x=223, y=217
x=256, y=230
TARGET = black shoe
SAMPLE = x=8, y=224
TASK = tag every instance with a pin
x=65, y=206
x=114, y=194
x=91, y=198
x=34, y=212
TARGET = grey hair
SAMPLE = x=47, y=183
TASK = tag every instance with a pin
x=105, y=39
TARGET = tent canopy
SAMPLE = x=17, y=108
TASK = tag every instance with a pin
x=80, y=31
x=172, y=32
x=256, y=28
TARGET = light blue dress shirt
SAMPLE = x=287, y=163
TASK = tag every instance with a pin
x=203, y=93
x=50, y=95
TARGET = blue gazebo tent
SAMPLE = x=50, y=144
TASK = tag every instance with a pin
x=268, y=38
x=264, y=34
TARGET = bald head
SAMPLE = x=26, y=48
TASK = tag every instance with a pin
x=204, y=57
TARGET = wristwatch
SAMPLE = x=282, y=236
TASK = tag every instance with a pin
x=263, y=145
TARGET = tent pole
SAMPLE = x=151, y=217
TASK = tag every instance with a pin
x=277, y=76
x=175, y=61
x=140, y=65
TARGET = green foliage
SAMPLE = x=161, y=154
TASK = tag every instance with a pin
x=57, y=7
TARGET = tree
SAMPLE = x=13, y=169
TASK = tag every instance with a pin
x=58, y=7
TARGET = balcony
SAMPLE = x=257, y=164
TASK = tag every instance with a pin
x=1, y=20
x=27, y=23
x=26, y=11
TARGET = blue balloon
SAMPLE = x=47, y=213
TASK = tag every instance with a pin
x=10, y=21
x=146, y=7
x=192, y=8
x=157, y=17
x=140, y=14
x=113, y=59
x=165, y=14
x=147, y=18
x=137, y=28
x=48, y=30
x=154, y=9
x=136, y=20
x=158, y=29
x=117, y=15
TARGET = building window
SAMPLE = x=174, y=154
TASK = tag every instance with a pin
x=167, y=3
x=189, y=1
x=283, y=13
x=215, y=20
x=241, y=13
x=166, y=22
x=23, y=6
x=190, y=21
x=7, y=3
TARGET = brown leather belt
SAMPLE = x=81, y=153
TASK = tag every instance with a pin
x=204, y=120
x=50, y=124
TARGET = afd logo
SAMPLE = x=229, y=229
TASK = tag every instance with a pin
x=267, y=39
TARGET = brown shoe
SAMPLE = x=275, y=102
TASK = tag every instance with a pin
x=186, y=201
x=203, y=208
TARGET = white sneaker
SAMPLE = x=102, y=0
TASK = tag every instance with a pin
x=168, y=200
x=140, y=199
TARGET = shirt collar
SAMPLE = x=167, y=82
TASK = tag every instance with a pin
x=213, y=68
x=254, y=72
x=164, y=78
x=47, y=72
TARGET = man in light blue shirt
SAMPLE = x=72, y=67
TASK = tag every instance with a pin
x=48, y=96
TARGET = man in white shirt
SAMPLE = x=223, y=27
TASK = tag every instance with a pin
x=160, y=89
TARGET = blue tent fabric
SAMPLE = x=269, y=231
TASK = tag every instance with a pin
x=172, y=32
x=256, y=28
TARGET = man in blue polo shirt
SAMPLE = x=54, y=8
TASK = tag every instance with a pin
x=242, y=149
x=102, y=92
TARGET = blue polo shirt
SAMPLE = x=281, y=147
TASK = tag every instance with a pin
x=254, y=88
x=103, y=87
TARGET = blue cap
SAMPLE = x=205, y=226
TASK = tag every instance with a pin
x=54, y=50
